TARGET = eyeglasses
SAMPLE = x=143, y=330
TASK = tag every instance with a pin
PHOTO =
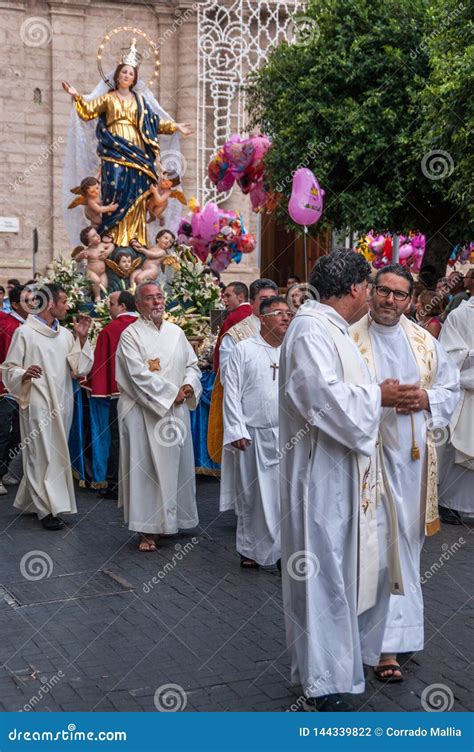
x=280, y=314
x=384, y=292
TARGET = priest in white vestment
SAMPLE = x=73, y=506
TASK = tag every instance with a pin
x=394, y=347
x=250, y=466
x=38, y=370
x=258, y=291
x=337, y=567
x=456, y=488
x=159, y=380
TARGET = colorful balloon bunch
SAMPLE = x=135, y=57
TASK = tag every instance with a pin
x=217, y=237
x=241, y=160
x=377, y=249
x=462, y=254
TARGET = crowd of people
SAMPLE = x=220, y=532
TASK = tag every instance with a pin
x=326, y=413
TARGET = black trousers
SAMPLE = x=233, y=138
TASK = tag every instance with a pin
x=10, y=437
x=113, y=461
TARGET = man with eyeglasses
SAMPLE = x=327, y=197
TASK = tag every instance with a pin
x=336, y=574
x=159, y=381
x=250, y=463
x=396, y=348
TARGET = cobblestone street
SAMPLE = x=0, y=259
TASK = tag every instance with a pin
x=97, y=632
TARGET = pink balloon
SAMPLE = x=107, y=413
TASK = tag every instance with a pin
x=196, y=222
x=239, y=156
x=376, y=245
x=221, y=259
x=261, y=145
x=405, y=251
x=226, y=183
x=209, y=221
x=200, y=248
x=258, y=196
x=306, y=201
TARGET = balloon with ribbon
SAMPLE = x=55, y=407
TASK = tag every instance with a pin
x=306, y=204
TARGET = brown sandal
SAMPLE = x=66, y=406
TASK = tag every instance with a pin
x=391, y=678
x=146, y=544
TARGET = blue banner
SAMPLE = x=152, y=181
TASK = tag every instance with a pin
x=234, y=732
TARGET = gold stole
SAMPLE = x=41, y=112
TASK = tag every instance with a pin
x=371, y=492
x=424, y=352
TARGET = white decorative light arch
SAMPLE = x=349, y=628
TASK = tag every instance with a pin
x=234, y=38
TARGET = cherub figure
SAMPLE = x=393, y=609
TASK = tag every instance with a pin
x=89, y=191
x=96, y=251
x=154, y=255
x=160, y=195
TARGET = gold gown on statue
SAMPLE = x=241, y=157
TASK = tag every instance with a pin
x=122, y=119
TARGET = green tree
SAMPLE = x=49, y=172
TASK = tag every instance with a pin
x=343, y=101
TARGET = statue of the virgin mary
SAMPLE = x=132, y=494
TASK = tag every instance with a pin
x=131, y=132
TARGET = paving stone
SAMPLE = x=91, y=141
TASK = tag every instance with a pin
x=209, y=627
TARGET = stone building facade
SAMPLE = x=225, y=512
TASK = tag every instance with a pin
x=42, y=43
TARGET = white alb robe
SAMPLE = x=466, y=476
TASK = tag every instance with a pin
x=393, y=357
x=46, y=411
x=250, y=478
x=456, y=476
x=324, y=423
x=229, y=342
x=157, y=486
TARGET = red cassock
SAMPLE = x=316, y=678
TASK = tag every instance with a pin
x=101, y=380
x=233, y=318
x=8, y=324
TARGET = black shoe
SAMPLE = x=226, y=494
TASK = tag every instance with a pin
x=326, y=704
x=279, y=565
x=108, y=493
x=52, y=523
x=449, y=516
